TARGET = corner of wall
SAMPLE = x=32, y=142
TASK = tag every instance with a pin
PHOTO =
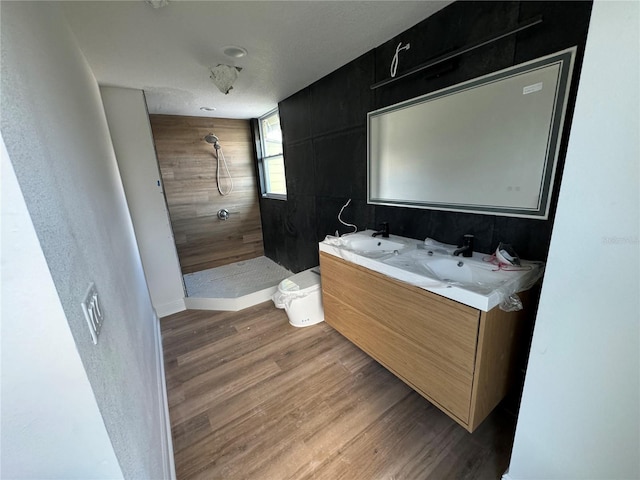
x=130, y=132
x=169, y=466
x=170, y=308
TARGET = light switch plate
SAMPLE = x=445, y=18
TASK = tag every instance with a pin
x=92, y=312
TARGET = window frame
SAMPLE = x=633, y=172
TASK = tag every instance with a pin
x=263, y=168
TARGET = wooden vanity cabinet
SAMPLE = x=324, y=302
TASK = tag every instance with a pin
x=457, y=357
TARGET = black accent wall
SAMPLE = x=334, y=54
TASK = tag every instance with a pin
x=325, y=133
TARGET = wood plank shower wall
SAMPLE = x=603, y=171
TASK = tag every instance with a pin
x=188, y=169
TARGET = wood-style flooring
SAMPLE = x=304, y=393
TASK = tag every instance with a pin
x=252, y=397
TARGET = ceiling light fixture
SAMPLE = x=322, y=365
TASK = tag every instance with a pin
x=158, y=3
x=223, y=77
x=234, y=51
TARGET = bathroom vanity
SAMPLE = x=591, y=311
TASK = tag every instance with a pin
x=459, y=357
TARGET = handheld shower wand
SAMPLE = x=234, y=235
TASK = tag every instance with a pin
x=213, y=140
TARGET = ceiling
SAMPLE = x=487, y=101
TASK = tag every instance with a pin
x=168, y=51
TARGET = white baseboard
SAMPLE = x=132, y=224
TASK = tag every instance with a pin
x=170, y=308
x=230, y=304
x=167, y=441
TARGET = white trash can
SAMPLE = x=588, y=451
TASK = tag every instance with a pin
x=301, y=297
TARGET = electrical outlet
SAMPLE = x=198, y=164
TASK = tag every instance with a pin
x=92, y=312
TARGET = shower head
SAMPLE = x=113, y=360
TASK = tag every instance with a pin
x=211, y=138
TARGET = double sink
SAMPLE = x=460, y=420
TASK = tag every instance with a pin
x=475, y=281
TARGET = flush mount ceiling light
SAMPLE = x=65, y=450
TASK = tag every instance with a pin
x=223, y=77
x=157, y=3
x=234, y=51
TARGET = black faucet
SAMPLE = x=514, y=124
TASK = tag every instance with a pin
x=467, y=246
x=384, y=232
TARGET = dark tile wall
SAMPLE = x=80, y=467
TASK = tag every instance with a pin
x=325, y=135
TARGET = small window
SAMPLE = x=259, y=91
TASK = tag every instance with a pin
x=274, y=184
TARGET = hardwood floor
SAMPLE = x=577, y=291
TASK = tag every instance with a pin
x=252, y=397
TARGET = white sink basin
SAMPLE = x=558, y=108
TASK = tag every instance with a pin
x=367, y=243
x=363, y=244
x=449, y=269
x=452, y=270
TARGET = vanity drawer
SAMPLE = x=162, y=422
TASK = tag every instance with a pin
x=428, y=341
x=444, y=327
x=449, y=390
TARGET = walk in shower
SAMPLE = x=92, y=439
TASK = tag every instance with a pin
x=209, y=180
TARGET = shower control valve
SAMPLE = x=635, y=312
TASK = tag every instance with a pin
x=223, y=214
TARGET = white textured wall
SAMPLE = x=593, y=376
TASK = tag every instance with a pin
x=130, y=130
x=56, y=135
x=51, y=426
x=579, y=417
